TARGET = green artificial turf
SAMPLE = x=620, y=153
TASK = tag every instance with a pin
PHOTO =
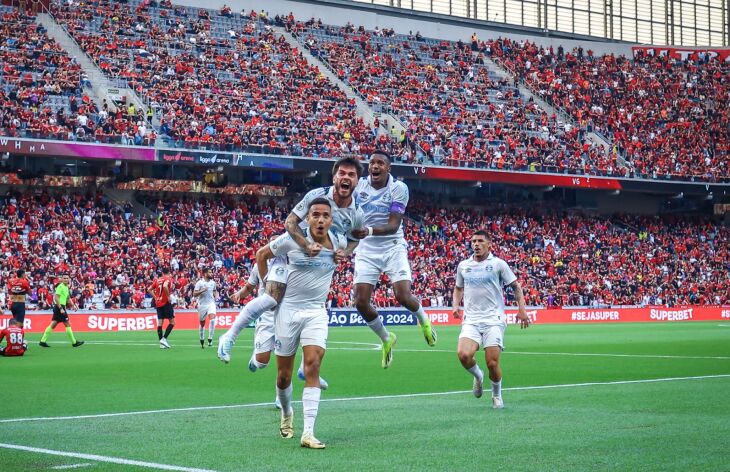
x=670, y=425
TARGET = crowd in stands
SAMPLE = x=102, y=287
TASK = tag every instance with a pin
x=667, y=116
x=455, y=109
x=42, y=92
x=112, y=254
x=221, y=80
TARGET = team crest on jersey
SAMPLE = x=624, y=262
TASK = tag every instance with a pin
x=363, y=196
x=279, y=270
x=489, y=268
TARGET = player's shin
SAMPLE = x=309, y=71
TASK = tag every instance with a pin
x=211, y=328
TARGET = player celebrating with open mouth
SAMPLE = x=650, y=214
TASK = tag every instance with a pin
x=301, y=317
x=383, y=201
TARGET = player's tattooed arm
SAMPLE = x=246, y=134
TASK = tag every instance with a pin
x=522, y=317
x=262, y=257
x=292, y=227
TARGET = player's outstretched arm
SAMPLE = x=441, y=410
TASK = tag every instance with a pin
x=457, y=296
x=524, y=320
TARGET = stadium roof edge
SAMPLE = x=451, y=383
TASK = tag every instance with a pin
x=460, y=21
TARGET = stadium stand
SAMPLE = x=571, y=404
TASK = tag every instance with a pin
x=41, y=89
x=224, y=81
x=458, y=112
x=562, y=258
x=668, y=117
x=219, y=82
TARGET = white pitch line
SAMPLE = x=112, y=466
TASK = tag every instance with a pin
x=375, y=347
x=72, y=466
x=98, y=458
x=350, y=399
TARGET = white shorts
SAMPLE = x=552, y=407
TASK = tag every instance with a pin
x=205, y=310
x=305, y=327
x=278, y=270
x=485, y=336
x=263, y=337
x=393, y=262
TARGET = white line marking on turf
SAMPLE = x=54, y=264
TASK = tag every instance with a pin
x=375, y=347
x=350, y=399
x=97, y=458
x=72, y=466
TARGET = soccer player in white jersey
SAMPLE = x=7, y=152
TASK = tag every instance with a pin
x=301, y=317
x=383, y=200
x=346, y=216
x=479, y=283
x=205, y=292
x=263, y=338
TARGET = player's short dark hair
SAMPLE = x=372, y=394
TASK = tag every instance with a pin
x=320, y=201
x=19, y=272
x=381, y=153
x=348, y=161
x=481, y=232
x=165, y=270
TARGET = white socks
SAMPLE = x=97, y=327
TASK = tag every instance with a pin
x=476, y=372
x=497, y=389
x=377, y=326
x=284, y=397
x=211, y=329
x=421, y=314
x=201, y=331
x=310, y=402
x=251, y=312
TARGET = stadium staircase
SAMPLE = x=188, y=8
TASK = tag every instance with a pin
x=104, y=87
x=364, y=110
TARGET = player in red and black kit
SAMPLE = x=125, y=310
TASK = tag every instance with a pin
x=15, y=339
x=18, y=288
x=160, y=290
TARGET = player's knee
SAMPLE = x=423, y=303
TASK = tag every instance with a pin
x=312, y=366
x=492, y=364
x=465, y=357
x=362, y=304
x=283, y=379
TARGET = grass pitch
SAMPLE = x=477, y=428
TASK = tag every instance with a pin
x=417, y=415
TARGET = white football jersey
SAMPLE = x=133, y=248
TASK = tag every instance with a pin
x=309, y=278
x=377, y=205
x=207, y=297
x=483, y=283
x=344, y=220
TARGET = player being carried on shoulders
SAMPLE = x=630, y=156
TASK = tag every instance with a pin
x=383, y=200
x=346, y=217
x=479, y=283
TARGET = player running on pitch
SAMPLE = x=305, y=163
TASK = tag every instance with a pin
x=479, y=282
x=301, y=318
x=346, y=216
x=205, y=292
x=61, y=299
x=383, y=200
